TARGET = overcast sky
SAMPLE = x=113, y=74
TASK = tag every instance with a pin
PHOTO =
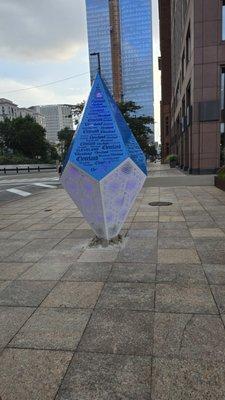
x=46, y=40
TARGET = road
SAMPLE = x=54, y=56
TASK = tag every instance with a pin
x=13, y=187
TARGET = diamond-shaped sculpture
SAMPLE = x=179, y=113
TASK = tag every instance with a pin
x=104, y=169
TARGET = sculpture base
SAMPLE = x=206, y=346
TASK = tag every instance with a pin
x=98, y=242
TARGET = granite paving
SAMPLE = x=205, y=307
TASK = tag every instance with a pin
x=143, y=319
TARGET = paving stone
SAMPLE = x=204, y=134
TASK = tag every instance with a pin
x=3, y=285
x=50, y=234
x=48, y=268
x=11, y=270
x=215, y=273
x=184, y=299
x=144, y=233
x=105, y=376
x=11, y=319
x=74, y=294
x=138, y=250
x=81, y=234
x=57, y=329
x=146, y=218
x=189, y=336
x=184, y=379
x=207, y=232
x=171, y=218
x=34, y=250
x=175, y=243
x=25, y=293
x=68, y=244
x=8, y=247
x=133, y=272
x=186, y=274
x=82, y=271
x=172, y=233
x=99, y=255
x=133, y=296
x=143, y=225
x=178, y=226
x=178, y=256
x=219, y=295
x=31, y=374
x=119, y=331
x=201, y=224
x=211, y=251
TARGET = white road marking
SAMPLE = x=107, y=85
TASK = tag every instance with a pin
x=19, y=192
x=44, y=185
x=20, y=181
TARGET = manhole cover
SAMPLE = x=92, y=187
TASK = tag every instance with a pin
x=160, y=203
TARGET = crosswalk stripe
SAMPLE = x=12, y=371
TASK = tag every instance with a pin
x=44, y=185
x=19, y=192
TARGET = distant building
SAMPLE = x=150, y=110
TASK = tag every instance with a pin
x=197, y=100
x=10, y=110
x=57, y=117
x=121, y=32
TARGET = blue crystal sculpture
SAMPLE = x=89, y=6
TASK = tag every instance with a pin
x=105, y=168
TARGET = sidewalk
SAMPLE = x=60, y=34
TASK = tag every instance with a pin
x=140, y=321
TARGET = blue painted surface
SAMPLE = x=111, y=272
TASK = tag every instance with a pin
x=103, y=140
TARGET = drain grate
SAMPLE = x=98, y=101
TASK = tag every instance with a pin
x=45, y=210
x=160, y=203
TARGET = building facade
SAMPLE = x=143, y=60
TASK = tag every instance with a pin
x=121, y=33
x=57, y=117
x=165, y=68
x=10, y=110
x=198, y=84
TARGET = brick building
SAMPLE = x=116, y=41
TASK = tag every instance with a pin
x=197, y=101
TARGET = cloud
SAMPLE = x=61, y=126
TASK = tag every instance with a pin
x=42, y=29
x=75, y=92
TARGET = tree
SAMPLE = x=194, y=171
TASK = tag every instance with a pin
x=23, y=136
x=140, y=125
x=65, y=136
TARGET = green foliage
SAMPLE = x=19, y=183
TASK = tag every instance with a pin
x=140, y=125
x=171, y=157
x=65, y=137
x=221, y=172
x=153, y=151
x=24, y=136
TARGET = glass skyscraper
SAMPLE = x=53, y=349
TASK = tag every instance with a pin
x=121, y=32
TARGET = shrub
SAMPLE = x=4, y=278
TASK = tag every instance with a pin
x=221, y=172
x=171, y=157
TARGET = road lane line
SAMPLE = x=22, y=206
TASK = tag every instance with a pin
x=44, y=185
x=19, y=192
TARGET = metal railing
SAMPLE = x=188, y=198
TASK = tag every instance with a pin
x=26, y=169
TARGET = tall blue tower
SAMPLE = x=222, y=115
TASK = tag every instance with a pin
x=120, y=36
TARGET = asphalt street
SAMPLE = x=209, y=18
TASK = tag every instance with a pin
x=13, y=187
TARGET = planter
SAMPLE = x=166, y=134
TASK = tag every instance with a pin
x=220, y=183
x=173, y=163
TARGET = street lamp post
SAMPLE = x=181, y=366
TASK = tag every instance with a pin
x=99, y=61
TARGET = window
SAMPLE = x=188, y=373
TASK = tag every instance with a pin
x=223, y=21
x=188, y=46
x=188, y=104
x=183, y=66
x=167, y=126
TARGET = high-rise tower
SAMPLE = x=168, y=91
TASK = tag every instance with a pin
x=120, y=34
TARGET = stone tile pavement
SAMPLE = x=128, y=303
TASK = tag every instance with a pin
x=141, y=320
